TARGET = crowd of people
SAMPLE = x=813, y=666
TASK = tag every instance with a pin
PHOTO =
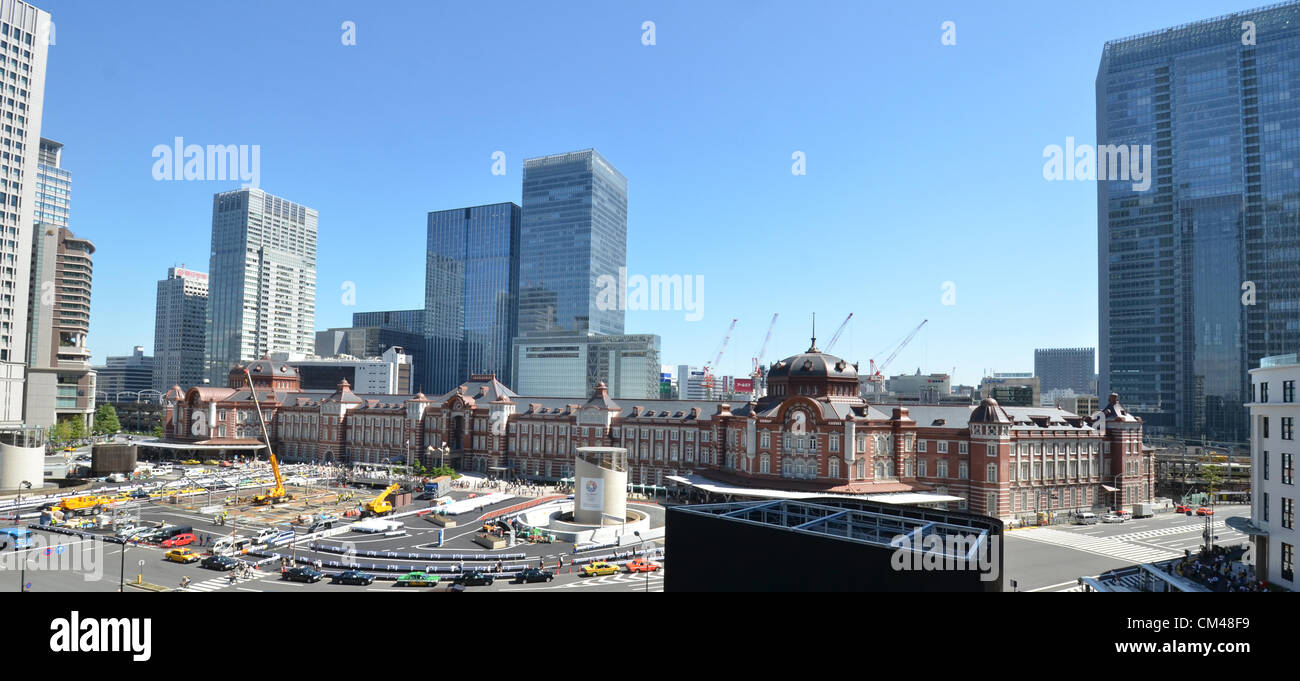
x=1219, y=571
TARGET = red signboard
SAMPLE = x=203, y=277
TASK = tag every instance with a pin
x=743, y=385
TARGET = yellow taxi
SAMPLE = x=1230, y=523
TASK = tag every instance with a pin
x=182, y=556
x=599, y=567
x=190, y=462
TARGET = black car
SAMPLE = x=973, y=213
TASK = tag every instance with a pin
x=302, y=574
x=139, y=494
x=475, y=578
x=531, y=575
x=353, y=577
x=223, y=563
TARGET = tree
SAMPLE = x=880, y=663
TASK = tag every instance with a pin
x=106, y=422
x=76, y=428
x=157, y=431
x=1213, y=477
x=60, y=433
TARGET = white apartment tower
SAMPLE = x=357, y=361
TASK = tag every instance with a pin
x=180, y=329
x=261, y=280
x=24, y=37
x=1274, y=414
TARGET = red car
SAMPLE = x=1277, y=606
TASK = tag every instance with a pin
x=641, y=565
x=1204, y=511
x=180, y=540
x=1183, y=509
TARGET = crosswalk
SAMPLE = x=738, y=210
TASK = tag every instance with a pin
x=1218, y=527
x=1110, y=547
x=218, y=583
x=632, y=581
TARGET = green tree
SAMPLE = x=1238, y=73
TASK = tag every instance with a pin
x=1213, y=476
x=157, y=431
x=76, y=428
x=60, y=433
x=106, y=422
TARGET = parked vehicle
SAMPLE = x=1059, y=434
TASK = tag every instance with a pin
x=223, y=563
x=353, y=577
x=1183, y=508
x=475, y=578
x=180, y=540
x=1085, y=518
x=182, y=556
x=302, y=573
x=1145, y=509
x=228, y=545
x=1112, y=518
x=641, y=565
x=530, y=575
x=1204, y=510
x=417, y=578
x=599, y=567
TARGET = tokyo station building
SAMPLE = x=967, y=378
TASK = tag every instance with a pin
x=812, y=433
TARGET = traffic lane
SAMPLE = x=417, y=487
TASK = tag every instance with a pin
x=1037, y=564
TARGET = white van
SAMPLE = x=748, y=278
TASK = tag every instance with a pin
x=1085, y=518
x=229, y=545
x=264, y=534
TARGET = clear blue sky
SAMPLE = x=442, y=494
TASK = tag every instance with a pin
x=924, y=161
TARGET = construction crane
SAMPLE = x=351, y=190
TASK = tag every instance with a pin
x=708, y=368
x=380, y=505
x=838, y=332
x=758, y=358
x=277, y=493
x=876, y=375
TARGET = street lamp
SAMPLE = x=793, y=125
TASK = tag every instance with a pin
x=646, y=553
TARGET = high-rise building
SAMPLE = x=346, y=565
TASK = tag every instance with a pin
x=262, y=279
x=692, y=383
x=574, y=232
x=60, y=380
x=1065, y=368
x=180, y=329
x=127, y=378
x=1197, y=271
x=410, y=321
x=571, y=365
x=470, y=292
x=26, y=32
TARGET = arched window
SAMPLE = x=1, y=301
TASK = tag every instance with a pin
x=880, y=470
x=833, y=467
x=765, y=464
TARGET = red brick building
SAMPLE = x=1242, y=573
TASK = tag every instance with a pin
x=812, y=433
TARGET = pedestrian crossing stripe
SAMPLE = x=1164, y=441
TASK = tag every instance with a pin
x=1102, y=546
x=1168, y=531
x=217, y=583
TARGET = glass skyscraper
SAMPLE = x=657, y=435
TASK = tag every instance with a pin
x=470, y=294
x=574, y=231
x=1199, y=274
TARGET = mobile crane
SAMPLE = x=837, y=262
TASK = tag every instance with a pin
x=380, y=505
x=277, y=493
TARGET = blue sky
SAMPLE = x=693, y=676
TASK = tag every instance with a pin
x=924, y=161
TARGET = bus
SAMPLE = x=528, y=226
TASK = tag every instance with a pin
x=22, y=536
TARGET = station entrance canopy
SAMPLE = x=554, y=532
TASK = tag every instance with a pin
x=706, y=485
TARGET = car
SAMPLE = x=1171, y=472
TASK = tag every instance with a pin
x=182, y=556
x=1181, y=508
x=190, y=462
x=475, y=578
x=302, y=573
x=1204, y=511
x=139, y=494
x=531, y=575
x=641, y=565
x=183, y=539
x=599, y=567
x=417, y=578
x=223, y=563
x=69, y=449
x=211, y=462
x=1125, y=515
x=1112, y=518
x=353, y=577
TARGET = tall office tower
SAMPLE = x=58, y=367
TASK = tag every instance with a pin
x=180, y=329
x=574, y=230
x=1198, y=275
x=60, y=379
x=409, y=321
x=470, y=292
x=1065, y=368
x=262, y=279
x=24, y=32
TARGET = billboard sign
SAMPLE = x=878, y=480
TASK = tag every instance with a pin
x=743, y=385
x=592, y=494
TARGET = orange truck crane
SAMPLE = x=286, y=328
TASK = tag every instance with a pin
x=277, y=494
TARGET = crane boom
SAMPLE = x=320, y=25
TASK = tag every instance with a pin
x=876, y=374
x=708, y=368
x=839, y=331
x=758, y=359
x=277, y=494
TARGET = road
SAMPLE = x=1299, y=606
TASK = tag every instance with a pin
x=1053, y=558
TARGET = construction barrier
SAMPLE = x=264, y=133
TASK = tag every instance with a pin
x=330, y=548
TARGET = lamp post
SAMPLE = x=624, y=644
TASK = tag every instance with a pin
x=643, y=551
x=121, y=577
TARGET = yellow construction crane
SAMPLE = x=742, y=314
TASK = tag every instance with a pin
x=277, y=493
x=380, y=505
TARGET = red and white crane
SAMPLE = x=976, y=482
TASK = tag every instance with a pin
x=876, y=374
x=758, y=358
x=708, y=368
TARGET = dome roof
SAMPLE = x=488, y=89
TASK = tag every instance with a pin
x=266, y=367
x=813, y=364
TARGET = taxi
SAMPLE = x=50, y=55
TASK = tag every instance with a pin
x=182, y=556
x=641, y=565
x=599, y=567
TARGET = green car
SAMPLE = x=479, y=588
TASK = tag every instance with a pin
x=417, y=579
